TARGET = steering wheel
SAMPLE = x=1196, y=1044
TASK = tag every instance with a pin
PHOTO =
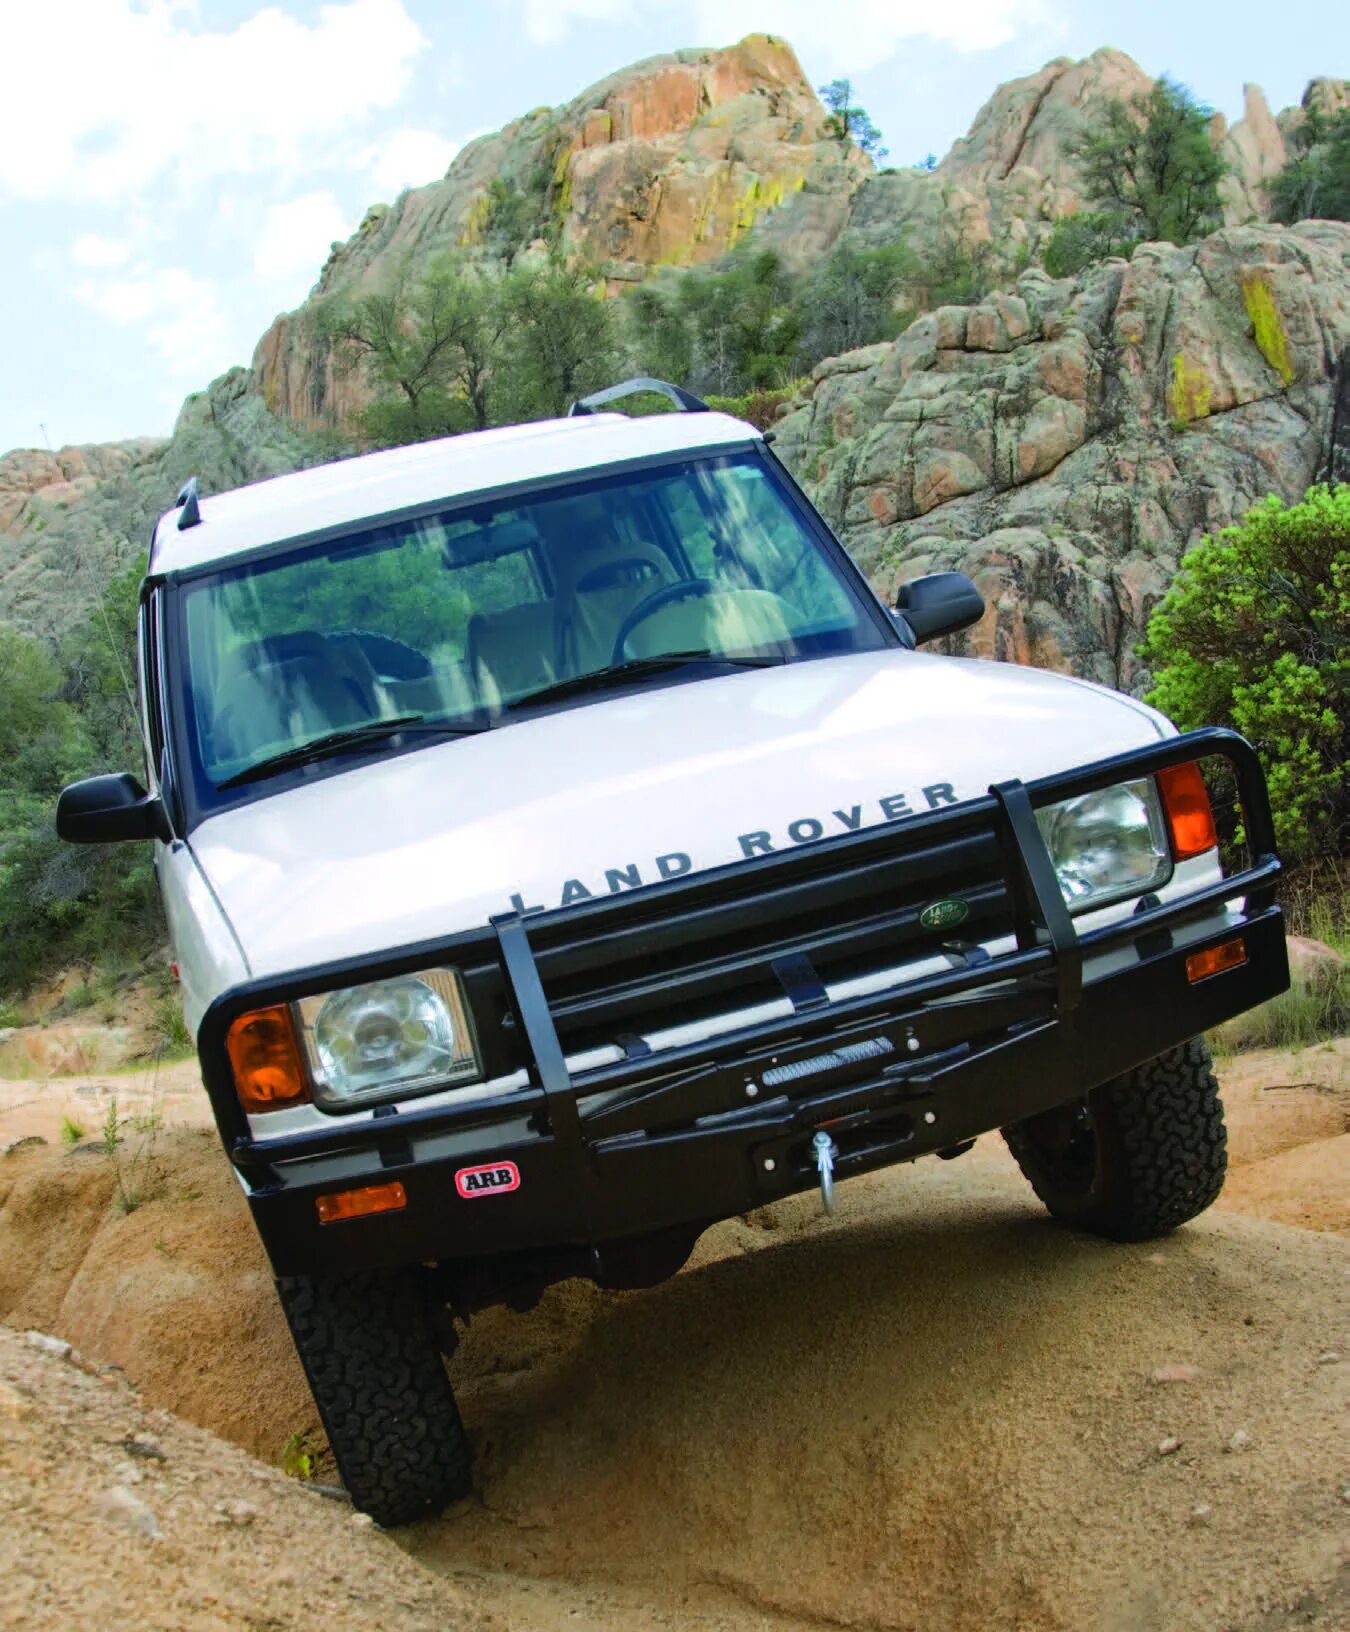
x=389, y=657
x=666, y=596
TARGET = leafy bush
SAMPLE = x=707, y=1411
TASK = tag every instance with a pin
x=1084, y=237
x=1255, y=634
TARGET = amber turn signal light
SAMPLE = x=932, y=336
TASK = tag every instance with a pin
x=1190, y=821
x=371, y=1198
x=265, y=1057
x=1214, y=960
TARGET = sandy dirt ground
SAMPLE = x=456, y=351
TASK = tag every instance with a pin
x=938, y=1411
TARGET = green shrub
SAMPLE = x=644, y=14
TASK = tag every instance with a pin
x=1255, y=634
x=1080, y=239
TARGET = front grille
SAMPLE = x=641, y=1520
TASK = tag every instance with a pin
x=687, y=951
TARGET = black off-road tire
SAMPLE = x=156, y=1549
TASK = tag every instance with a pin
x=369, y=1348
x=1139, y=1156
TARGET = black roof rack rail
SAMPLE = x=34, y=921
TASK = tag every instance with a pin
x=187, y=497
x=684, y=400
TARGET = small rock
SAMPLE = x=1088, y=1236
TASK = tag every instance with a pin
x=1157, y=1258
x=123, y=1507
x=28, y=1142
x=1240, y=1441
x=1330, y=1358
x=13, y=1405
x=143, y=1445
x=1201, y=1513
x=1180, y=1373
x=362, y=1521
x=1169, y=1446
x=236, y=1513
x=56, y=1346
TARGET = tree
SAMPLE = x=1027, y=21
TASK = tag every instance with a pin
x=561, y=338
x=660, y=334
x=851, y=300
x=1255, y=634
x=849, y=123
x=63, y=716
x=1316, y=180
x=511, y=220
x=1150, y=164
x=962, y=268
x=747, y=324
x=1082, y=238
x=425, y=345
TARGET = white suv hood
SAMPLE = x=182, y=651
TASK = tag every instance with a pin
x=619, y=790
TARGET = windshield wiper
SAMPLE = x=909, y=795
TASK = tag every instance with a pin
x=617, y=673
x=355, y=736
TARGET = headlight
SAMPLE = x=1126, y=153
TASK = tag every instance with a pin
x=1107, y=845
x=387, y=1040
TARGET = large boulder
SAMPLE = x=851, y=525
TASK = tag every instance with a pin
x=1066, y=442
x=671, y=162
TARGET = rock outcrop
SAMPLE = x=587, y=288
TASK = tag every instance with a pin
x=1065, y=442
x=33, y=480
x=668, y=163
x=71, y=520
x=680, y=158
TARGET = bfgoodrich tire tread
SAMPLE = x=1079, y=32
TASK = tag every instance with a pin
x=1161, y=1150
x=374, y=1366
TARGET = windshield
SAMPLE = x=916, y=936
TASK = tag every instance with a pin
x=459, y=620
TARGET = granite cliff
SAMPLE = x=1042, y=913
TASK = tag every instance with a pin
x=1066, y=441
x=680, y=158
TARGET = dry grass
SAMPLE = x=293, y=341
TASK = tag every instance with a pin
x=1313, y=1009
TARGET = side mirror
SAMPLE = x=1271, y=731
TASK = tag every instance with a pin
x=104, y=808
x=939, y=604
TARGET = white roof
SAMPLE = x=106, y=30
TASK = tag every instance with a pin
x=376, y=484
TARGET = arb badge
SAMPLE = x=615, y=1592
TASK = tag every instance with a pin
x=494, y=1179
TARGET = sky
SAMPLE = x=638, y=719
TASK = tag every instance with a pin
x=173, y=172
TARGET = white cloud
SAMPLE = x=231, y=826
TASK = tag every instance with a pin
x=846, y=36
x=547, y=21
x=94, y=250
x=408, y=158
x=296, y=236
x=854, y=35
x=182, y=314
x=122, y=91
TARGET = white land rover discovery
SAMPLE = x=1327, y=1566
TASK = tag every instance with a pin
x=564, y=849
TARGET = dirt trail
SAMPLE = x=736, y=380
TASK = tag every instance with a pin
x=934, y=1412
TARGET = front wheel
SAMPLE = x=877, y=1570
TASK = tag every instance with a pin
x=1138, y=1156
x=370, y=1352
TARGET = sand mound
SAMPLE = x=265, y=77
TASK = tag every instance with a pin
x=936, y=1412
x=117, y=1515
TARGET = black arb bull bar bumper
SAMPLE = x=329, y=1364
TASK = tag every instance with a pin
x=671, y=1140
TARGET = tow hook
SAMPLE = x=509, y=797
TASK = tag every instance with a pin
x=826, y=1152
